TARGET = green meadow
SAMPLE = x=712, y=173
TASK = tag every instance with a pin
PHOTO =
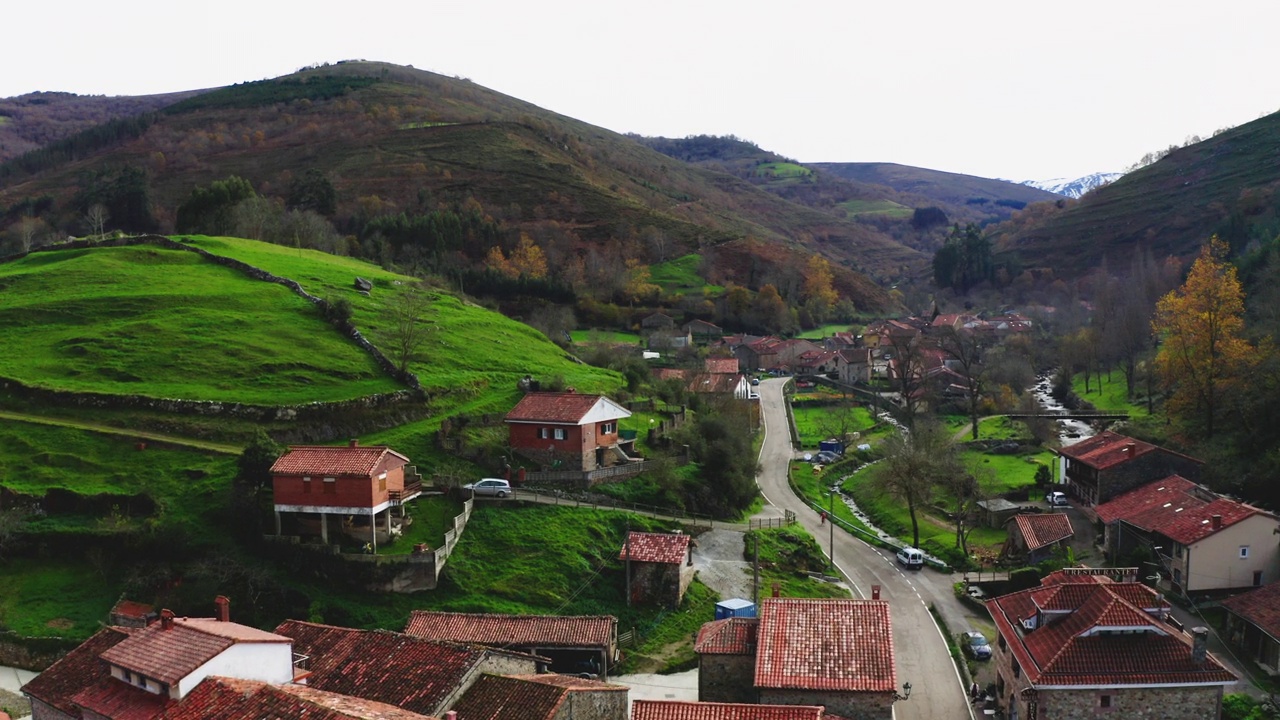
x=875, y=207
x=681, y=276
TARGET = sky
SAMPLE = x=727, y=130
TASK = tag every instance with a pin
x=1016, y=90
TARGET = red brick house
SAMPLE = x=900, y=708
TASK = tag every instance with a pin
x=659, y=567
x=573, y=644
x=837, y=654
x=542, y=697
x=568, y=430
x=1108, y=464
x=355, y=480
x=1032, y=538
x=1253, y=624
x=1084, y=647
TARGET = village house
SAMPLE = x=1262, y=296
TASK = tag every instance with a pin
x=668, y=339
x=572, y=644
x=1033, y=538
x=1204, y=542
x=355, y=482
x=840, y=341
x=659, y=567
x=541, y=697
x=702, y=331
x=853, y=365
x=685, y=710
x=719, y=376
x=1083, y=646
x=884, y=333
x=568, y=430
x=1101, y=467
x=234, y=699
x=847, y=668
x=657, y=321
x=1253, y=625
x=817, y=362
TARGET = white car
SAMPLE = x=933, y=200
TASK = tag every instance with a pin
x=911, y=558
x=497, y=487
x=1055, y=498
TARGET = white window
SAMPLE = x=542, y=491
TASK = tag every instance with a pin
x=1244, y=551
x=608, y=428
x=560, y=434
x=544, y=433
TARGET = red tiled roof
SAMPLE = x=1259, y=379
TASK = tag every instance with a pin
x=1042, y=530
x=686, y=710
x=1074, y=646
x=1106, y=450
x=722, y=365
x=668, y=548
x=393, y=668
x=517, y=630
x=170, y=655
x=232, y=699
x=730, y=636
x=1176, y=508
x=840, y=645
x=1260, y=607
x=523, y=697
x=75, y=671
x=552, y=407
x=132, y=609
x=119, y=700
x=332, y=460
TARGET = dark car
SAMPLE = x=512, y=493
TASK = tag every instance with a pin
x=975, y=645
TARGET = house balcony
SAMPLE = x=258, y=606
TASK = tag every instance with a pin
x=412, y=489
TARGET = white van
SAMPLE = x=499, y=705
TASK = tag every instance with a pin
x=911, y=558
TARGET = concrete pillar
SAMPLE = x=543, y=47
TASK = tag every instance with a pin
x=277, y=522
x=388, y=523
x=373, y=533
x=324, y=528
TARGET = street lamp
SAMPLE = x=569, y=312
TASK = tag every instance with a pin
x=906, y=692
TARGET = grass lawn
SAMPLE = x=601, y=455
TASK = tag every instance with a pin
x=815, y=488
x=169, y=324
x=432, y=517
x=1109, y=394
x=1002, y=473
x=782, y=170
x=681, y=276
x=787, y=556
x=595, y=336
x=875, y=207
x=812, y=419
x=824, y=331
x=54, y=597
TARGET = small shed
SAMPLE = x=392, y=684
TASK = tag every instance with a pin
x=735, y=607
x=659, y=567
x=997, y=511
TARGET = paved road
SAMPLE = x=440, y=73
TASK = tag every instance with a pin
x=920, y=650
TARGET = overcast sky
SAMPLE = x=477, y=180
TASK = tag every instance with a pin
x=1018, y=90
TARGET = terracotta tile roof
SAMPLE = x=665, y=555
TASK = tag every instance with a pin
x=167, y=655
x=730, y=636
x=722, y=365
x=1260, y=607
x=550, y=407
x=75, y=670
x=517, y=630
x=393, y=668
x=668, y=548
x=132, y=609
x=523, y=697
x=333, y=460
x=686, y=710
x=1043, y=530
x=1176, y=508
x=840, y=645
x=1106, y=450
x=119, y=700
x=1076, y=645
x=232, y=699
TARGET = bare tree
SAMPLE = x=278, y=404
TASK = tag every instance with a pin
x=915, y=463
x=965, y=348
x=27, y=230
x=97, y=217
x=409, y=329
x=966, y=491
x=906, y=374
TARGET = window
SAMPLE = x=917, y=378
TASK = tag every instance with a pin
x=608, y=428
x=560, y=434
x=1003, y=644
x=1017, y=669
x=1244, y=551
x=544, y=433
x=330, y=486
x=1177, y=552
x=382, y=484
x=1257, y=578
x=1104, y=701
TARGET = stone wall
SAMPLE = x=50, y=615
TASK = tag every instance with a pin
x=849, y=705
x=727, y=678
x=1191, y=703
x=594, y=705
x=660, y=584
x=33, y=654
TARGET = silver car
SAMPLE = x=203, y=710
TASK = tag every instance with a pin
x=495, y=487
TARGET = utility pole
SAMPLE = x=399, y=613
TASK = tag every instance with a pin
x=755, y=569
x=626, y=552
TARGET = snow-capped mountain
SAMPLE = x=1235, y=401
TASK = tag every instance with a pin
x=1074, y=188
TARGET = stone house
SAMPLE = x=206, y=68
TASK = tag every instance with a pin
x=541, y=697
x=568, y=430
x=685, y=710
x=1253, y=625
x=1108, y=464
x=659, y=567
x=1203, y=541
x=657, y=321
x=837, y=654
x=572, y=643
x=853, y=365
x=1033, y=538
x=702, y=331
x=1084, y=646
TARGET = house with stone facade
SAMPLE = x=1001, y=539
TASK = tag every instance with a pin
x=1085, y=646
x=571, y=643
x=837, y=654
x=685, y=710
x=1204, y=542
x=568, y=430
x=659, y=567
x=360, y=489
x=702, y=331
x=541, y=697
x=1101, y=467
x=1033, y=538
x=1253, y=625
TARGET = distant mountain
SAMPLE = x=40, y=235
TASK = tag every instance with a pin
x=31, y=121
x=1077, y=187
x=994, y=199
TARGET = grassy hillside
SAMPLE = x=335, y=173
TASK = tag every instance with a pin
x=169, y=324
x=1226, y=185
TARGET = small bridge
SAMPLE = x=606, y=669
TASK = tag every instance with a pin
x=1084, y=415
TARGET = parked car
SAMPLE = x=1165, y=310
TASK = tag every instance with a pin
x=911, y=558
x=495, y=487
x=755, y=381
x=1055, y=498
x=827, y=457
x=975, y=645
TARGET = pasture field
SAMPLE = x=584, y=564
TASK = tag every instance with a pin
x=681, y=276
x=169, y=324
x=888, y=208
x=782, y=170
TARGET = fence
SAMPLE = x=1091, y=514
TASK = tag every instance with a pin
x=596, y=502
x=768, y=523
x=587, y=477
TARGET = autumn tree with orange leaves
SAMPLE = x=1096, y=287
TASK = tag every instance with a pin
x=1202, y=354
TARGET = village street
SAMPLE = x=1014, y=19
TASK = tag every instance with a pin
x=920, y=650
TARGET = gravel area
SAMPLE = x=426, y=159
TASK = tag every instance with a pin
x=719, y=561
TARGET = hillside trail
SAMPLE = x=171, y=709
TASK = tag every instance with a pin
x=135, y=434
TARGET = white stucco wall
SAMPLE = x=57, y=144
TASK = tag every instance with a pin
x=268, y=662
x=1215, y=562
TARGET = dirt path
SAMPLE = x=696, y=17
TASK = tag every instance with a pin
x=136, y=434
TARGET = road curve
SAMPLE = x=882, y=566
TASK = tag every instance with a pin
x=920, y=651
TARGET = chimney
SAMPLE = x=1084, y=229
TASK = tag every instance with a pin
x=224, y=608
x=1217, y=522
x=1128, y=450
x=1199, y=644
x=777, y=589
x=353, y=443
x=166, y=619
x=451, y=715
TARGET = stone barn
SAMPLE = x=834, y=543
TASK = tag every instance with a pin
x=659, y=567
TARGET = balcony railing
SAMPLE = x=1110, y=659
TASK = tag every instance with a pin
x=412, y=489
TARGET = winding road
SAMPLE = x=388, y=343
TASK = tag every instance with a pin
x=919, y=649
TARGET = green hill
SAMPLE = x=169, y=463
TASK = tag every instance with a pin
x=1226, y=185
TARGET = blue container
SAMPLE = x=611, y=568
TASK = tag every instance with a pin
x=834, y=446
x=735, y=607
